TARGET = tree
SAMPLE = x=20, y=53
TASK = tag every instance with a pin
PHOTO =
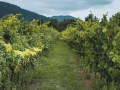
x=91, y=17
x=40, y=21
x=104, y=20
x=115, y=19
x=53, y=23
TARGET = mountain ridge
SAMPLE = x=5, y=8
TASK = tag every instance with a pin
x=61, y=18
x=7, y=8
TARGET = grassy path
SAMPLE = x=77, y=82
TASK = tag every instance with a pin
x=59, y=70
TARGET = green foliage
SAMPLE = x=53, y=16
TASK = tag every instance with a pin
x=104, y=20
x=91, y=18
x=21, y=45
x=99, y=46
x=60, y=26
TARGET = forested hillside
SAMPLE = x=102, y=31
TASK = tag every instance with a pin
x=7, y=8
x=62, y=17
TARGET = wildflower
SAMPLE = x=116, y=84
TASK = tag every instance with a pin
x=22, y=55
x=37, y=49
x=33, y=53
x=17, y=52
x=8, y=47
x=27, y=52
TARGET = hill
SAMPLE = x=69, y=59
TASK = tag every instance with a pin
x=7, y=8
x=62, y=18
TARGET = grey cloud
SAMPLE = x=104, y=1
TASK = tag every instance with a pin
x=62, y=4
x=99, y=2
x=58, y=6
x=71, y=5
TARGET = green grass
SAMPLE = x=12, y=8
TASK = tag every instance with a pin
x=57, y=70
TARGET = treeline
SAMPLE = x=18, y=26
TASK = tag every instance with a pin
x=98, y=44
x=60, y=26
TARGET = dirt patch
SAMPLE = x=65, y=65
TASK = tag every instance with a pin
x=33, y=85
x=86, y=80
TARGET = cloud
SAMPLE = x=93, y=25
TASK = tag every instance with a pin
x=112, y=9
x=72, y=5
x=54, y=7
x=66, y=5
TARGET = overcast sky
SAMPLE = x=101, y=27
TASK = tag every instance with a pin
x=76, y=8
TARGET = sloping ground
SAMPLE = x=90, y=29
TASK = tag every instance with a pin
x=58, y=70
